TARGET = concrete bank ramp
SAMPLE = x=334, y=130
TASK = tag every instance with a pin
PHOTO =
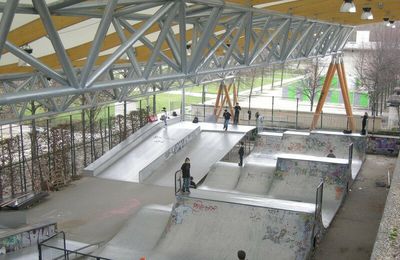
x=139, y=235
x=154, y=156
x=318, y=143
x=215, y=225
x=293, y=177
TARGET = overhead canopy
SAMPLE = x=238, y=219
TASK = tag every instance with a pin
x=74, y=47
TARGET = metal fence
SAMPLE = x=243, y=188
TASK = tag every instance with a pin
x=45, y=154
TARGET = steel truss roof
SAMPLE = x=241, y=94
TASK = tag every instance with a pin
x=197, y=41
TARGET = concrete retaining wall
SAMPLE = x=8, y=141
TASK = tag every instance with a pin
x=122, y=148
x=26, y=236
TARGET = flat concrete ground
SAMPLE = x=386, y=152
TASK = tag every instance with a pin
x=93, y=210
x=352, y=233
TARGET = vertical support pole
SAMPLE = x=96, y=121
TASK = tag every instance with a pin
x=216, y=107
x=140, y=113
x=84, y=138
x=23, y=156
x=125, y=130
x=324, y=93
x=273, y=76
x=109, y=129
x=283, y=68
x=345, y=93
x=183, y=105
x=297, y=112
x=48, y=146
x=272, y=110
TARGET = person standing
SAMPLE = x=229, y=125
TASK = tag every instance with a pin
x=241, y=255
x=331, y=154
x=364, y=124
x=165, y=116
x=186, y=175
x=236, y=116
x=227, y=117
x=241, y=153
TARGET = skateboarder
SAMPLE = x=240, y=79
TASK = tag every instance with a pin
x=241, y=255
x=227, y=117
x=330, y=154
x=241, y=153
x=186, y=175
x=165, y=116
x=236, y=116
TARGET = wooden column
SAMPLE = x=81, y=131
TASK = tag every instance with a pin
x=345, y=94
x=324, y=93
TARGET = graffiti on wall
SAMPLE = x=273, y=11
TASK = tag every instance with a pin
x=383, y=145
x=25, y=239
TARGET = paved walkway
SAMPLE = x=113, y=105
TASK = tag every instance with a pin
x=352, y=233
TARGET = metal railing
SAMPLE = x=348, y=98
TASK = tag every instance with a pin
x=47, y=251
x=178, y=181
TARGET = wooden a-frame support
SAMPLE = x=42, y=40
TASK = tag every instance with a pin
x=223, y=97
x=335, y=65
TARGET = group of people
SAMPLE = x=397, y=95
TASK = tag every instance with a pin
x=227, y=116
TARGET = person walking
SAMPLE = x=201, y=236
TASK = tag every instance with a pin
x=227, y=117
x=241, y=153
x=186, y=175
x=165, y=116
x=364, y=123
x=236, y=116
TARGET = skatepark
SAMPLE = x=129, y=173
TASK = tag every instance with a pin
x=101, y=103
x=277, y=202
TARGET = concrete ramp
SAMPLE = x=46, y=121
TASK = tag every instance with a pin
x=204, y=150
x=153, y=157
x=318, y=143
x=139, y=235
x=215, y=225
x=293, y=178
x=297, y=177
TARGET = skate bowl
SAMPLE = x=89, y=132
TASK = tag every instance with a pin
x=201, y=224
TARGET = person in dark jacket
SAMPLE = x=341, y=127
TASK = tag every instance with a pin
x=186, y=175
x=364, y=123
x=227, y=117
x=241, y=153
x=241, y=255
x=236, y=116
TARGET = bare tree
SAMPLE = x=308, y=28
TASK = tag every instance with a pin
x=377, y=66
x=310, y=85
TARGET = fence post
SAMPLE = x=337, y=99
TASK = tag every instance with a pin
x=272, y=110
x=23, y=156
x=297, y=111
x=321, y=118
x=84, y=138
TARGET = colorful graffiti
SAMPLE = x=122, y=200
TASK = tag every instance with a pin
x=22, y=239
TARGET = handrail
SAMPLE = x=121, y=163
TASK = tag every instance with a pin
x=66, y=251
x=178, y=177
x=318, y=209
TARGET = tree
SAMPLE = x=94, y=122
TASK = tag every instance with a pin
x=377, y=66
x=310, y=85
